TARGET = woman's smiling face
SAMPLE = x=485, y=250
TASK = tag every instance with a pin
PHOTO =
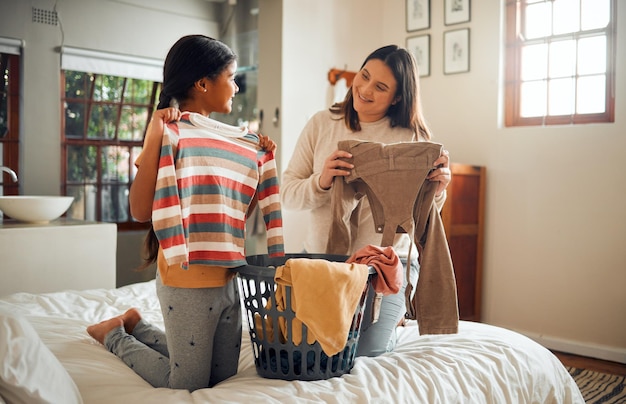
x=374, y=91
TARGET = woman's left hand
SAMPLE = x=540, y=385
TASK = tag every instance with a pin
x=441, y=172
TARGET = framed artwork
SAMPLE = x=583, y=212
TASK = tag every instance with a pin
x=417, y=15
x=456, y=11
x=419, y=46
x=456, y=51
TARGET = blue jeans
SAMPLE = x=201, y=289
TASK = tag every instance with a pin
x=380, y=337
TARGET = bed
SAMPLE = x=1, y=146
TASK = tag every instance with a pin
x=48, y=357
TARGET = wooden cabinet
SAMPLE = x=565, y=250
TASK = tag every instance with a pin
x=463, y=220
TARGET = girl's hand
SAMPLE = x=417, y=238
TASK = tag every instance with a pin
x=266, y=143
x=160, y=118
x=167, y=115
x=334, y=166
x=441, y=172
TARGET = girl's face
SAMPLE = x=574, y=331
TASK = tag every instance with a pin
x=221, y=90
x=373, y=91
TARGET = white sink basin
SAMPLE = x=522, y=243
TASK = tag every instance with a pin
x=35, y=209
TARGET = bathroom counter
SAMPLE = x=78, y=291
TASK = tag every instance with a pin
x=58, y=255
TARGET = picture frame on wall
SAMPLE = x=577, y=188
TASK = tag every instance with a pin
x=456, y=11
x=456, y=51
x=419, y=46
x=417, y=15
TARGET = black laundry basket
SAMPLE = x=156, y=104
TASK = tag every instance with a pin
x=275, y=359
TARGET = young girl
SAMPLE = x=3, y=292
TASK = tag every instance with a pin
x=197, y=180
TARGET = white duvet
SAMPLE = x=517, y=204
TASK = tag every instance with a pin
x=480, y=364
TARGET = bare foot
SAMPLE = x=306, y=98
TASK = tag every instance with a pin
x=100, y=330
x=130, y=319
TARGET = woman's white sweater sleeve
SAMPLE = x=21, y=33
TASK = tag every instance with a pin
x=300, y=187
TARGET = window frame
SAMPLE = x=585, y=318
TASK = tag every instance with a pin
x=515, y=20
x=11, y=143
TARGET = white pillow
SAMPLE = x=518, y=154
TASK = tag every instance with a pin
x=29, y=371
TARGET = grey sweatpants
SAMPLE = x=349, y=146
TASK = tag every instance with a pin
x=201, y=342
x=380, y=337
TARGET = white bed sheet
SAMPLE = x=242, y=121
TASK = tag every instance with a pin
x=480, y=364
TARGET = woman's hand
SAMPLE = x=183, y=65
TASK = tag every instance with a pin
x=333, y=167
x=441, y=172
x=266, y=143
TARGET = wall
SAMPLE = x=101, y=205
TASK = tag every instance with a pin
x=555, y=265
x=318, y=35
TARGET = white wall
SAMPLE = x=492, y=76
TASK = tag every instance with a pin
x=555, y=261
x=319, y=35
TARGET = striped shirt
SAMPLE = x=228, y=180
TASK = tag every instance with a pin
x=203, y=193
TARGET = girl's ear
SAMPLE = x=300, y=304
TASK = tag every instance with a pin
x=201, y=85
x=396, y=100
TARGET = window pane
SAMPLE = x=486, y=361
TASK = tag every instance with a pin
x=74, y=119
x=132, y=123
x=4, y=127
x=538, y=19
x=115, y=203
x=4, y=85
x=81, y=163
x=534, y=62
x=595, y=14
x=102, y=121
x=108, y=88
x=533, y=99
x=77, y=209
x=106, y=117
x=77, y=84
x=137, y=91
x=84, y=205
x=591, y=96
x=561, y=97
x=566, y=16
x=115, y=164
x=562, y=58
x=592, y=55
x=133, y=168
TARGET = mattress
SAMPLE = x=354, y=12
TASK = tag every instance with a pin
x=480, y=364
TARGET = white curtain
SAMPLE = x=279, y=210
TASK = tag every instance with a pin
x=11, y=45
x=113, y=64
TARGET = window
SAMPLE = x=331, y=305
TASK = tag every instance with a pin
x=9, y=119
x=107, y=100
x=104, y=121
x=560, y=62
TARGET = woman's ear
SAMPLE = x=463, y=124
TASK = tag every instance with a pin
x=396, y=100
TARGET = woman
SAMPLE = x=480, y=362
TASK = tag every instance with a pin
x=208, y=174
x=382, y=105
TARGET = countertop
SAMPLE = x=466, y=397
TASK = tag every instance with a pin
x=16, y=224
